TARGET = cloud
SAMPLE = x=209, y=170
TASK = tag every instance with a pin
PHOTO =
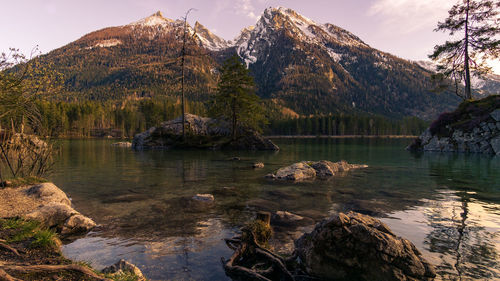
x=407, y=16
x=245, y=8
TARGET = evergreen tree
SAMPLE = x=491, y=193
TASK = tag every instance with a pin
x=479, y=22
x=235, y=100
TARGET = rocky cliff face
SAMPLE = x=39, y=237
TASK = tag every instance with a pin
x=474, y=127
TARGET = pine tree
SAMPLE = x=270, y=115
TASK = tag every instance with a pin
x=479, y=22
x=235, y=100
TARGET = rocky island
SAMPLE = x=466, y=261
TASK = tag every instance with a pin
x=474, y=127
x=201, y=133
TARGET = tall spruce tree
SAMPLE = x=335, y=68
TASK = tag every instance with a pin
x=475, y=24
x=235, y=100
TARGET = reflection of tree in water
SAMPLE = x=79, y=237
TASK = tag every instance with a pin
x=468, y=248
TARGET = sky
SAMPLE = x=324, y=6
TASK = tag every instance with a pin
x=401, y=27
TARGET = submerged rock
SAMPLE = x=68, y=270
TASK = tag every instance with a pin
x=201, y=132
x=204, y=198
x=359, y=247
x=258, y=165
x=122, y=144
x=474, y=127
x=122, y=267
x=307, y=170
x=284, y=218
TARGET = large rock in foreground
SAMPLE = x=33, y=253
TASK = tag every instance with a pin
x=474, y=127
x=201, y=132
x=359, y=247
x=47, y=204
x=307, y=170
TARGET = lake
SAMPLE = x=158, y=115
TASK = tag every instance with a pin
x=448, y=205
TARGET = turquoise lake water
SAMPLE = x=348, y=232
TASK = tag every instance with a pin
x=448, y=205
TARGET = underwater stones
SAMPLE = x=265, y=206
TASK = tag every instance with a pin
x=122, y=144
x=258, y=165
x=358, y=247
x=206, y=198
x=284, y=218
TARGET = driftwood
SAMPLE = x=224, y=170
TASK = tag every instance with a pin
x=252, y=261
x=47, y=269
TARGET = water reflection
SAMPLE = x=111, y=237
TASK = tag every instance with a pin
x=446, y=204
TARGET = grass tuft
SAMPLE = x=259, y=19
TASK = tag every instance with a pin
x=45, y=238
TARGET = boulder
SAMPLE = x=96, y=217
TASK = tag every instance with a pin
x=63, y=218
x=77, y=223
x=122, y=267
x=306, y=170
x=296, y=172
x=359, y=247
x=495, y=145
x=495, y=114
x=48, y=193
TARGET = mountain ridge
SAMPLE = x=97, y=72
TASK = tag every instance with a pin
x=301, y=65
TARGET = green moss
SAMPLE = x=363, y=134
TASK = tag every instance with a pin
x=29, y=229
x=23, y=229
x=17, y=182
x=45, y=238
x=261, y=230
x=124, y=276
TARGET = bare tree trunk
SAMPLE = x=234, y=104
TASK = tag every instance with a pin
x=183, y=59
x=234, y=120
x=468, y=94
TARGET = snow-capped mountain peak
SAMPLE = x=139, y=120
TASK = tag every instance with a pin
x=251, y=42
x=155, y=19
x=208, y=39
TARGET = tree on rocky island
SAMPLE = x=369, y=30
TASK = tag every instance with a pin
x=235, y=100
x=480, y=24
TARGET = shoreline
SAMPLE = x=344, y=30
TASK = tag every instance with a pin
x=34, y=220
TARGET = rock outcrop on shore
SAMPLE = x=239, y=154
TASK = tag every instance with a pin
x=201, y=132
x=308, y=170
x=47, y=204
x=474, y=128
x=359, y=247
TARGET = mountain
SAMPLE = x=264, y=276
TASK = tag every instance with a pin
x=486, y=85
x=316, y=68
x=140, y=58
x=302, y=66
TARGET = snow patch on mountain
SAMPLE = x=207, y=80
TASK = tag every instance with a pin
x=208, y=39
x=105, y=44
x=252, y=42
x=155, y=19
